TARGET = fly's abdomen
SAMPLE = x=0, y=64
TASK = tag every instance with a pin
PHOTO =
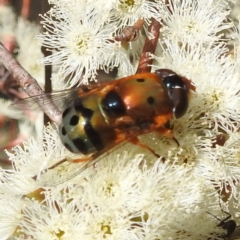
x=84, y=129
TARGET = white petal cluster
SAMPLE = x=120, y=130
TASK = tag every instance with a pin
x=194, y=21
x=29, y=51
x=130, y=194
x=8, y=21
x=208, y=133
x=83, y=41
x=126, y=13
x=123, y=197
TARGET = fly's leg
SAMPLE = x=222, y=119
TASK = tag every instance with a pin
x=136, y=141
x=167, y=133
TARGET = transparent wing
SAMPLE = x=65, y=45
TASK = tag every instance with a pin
x=65, y=170
x=60, y=99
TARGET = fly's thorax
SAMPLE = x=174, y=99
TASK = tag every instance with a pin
x=144, y=98
x=84, y=128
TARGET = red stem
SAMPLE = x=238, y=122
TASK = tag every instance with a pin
x=25, y=9
x=149, y=47
x=27, y=82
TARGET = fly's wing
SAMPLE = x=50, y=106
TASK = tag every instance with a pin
x=61, y=99
x=65, y=170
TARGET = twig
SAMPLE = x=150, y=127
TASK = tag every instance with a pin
x=9, y=41
x=48, y=82
x=6, y=162
x=149, y=47
x=27, y=82
x=3, y=2
x=18, y=140
x=25, y=8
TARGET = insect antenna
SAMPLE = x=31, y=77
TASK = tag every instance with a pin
x=215, y=216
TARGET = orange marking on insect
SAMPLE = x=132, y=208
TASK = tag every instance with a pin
x=160, y=120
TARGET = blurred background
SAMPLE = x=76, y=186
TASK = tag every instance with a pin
x=19, y=24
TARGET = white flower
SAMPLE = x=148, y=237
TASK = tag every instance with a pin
x=123, y=197
x=222, y=166
x=234, y=34
x=8, y=21
x=128, y=193
x=52, y=220
x=214, y=75
x=83, y=43
x=126, y=13
x=195, y=21
x=235, y=10
x=10, y=214
x=29, y=51
x=29, y=162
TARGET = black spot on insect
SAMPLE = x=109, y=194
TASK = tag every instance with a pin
x=113, y=105
x=140, y=80
x=78, y=108
x=68, y=147
x=80, y=145
x=229, y=225
x=63, y=131
x=91, y=133
x=85, y=112
x=66, y=111
x=93, y=136
x=150, y=100
x=74, y=120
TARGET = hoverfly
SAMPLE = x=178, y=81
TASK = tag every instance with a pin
x=99, y=117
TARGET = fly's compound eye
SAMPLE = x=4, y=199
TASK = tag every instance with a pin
x=177, y=91
x=113, y=105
